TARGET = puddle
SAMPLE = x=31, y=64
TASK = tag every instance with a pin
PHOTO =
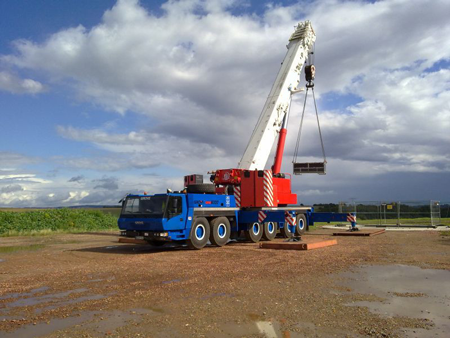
x=111, y=321
x=101, y=322
x=409, y=292
x=43, y=299
x=43, y=329
x=25, y=294
x=1, y=260
x=72, y=301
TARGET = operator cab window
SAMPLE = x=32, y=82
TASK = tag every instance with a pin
x=174, y=207
x=131, y=206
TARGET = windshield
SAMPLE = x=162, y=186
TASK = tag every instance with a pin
x=145, y=205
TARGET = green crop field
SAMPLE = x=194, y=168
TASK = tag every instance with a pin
x=14, y=222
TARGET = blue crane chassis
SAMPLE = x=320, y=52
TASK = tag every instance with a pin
x=169, y=217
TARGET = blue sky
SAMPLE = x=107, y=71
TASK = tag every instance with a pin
x=101, y=98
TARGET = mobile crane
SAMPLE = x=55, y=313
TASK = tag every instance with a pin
x=249, y=198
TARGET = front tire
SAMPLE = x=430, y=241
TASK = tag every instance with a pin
x=254, y=233
x=270, y=231
x=199, y=234
x=220, y=231
x=300, y=228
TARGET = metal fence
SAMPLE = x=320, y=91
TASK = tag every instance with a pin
x=397, y=213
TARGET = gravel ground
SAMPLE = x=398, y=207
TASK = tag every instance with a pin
x=89, y=285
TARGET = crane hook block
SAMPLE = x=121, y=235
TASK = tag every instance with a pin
x=310, y=72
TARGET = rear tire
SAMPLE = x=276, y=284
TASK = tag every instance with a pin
x=301, y=226
x=199, y=234
x=285, y=231
x=270, y=231
x=220, y=231
x=254, y=233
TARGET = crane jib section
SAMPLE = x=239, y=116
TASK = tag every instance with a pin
x=277, y=104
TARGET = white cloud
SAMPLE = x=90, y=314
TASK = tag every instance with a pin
x=10, y=161
x=13, y=84
x=145, y=149
x=11, y=188
x=107, y=183
x=315, y=192
x=23, y=177
x=199, y=76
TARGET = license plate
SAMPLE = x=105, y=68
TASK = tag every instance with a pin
x=139, y=237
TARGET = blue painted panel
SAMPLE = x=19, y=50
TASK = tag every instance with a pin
x=327, y=217
x=210, y=201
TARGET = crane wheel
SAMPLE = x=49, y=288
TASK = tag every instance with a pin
x=301, y=226
x=254, y=232
x=220, y=231
x=270, y=231
x=286, y=232
x=199, y=234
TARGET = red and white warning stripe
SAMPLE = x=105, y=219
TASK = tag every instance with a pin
x=261, y=216
x=289, y=218
x=268, y=188
x=351, y=218
x=237, y=195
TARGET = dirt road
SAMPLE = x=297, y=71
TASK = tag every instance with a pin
x=92, y=286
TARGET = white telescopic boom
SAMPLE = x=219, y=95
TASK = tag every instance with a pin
x=277, y=104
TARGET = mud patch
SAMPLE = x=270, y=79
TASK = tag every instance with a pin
x=408, y=291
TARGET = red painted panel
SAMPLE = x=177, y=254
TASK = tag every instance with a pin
x=228, y=176
x=259, y=188
x=285, y=196
x=248, y=189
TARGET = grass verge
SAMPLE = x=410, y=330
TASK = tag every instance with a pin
x=11, y=249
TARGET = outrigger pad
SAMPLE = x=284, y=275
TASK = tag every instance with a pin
x=310, y=168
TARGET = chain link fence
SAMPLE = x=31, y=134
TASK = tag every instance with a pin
x=398, y=213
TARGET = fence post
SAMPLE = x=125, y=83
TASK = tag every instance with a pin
x=431, y=212
x=398, y=213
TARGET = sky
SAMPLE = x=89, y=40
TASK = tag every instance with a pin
x=103, y=98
